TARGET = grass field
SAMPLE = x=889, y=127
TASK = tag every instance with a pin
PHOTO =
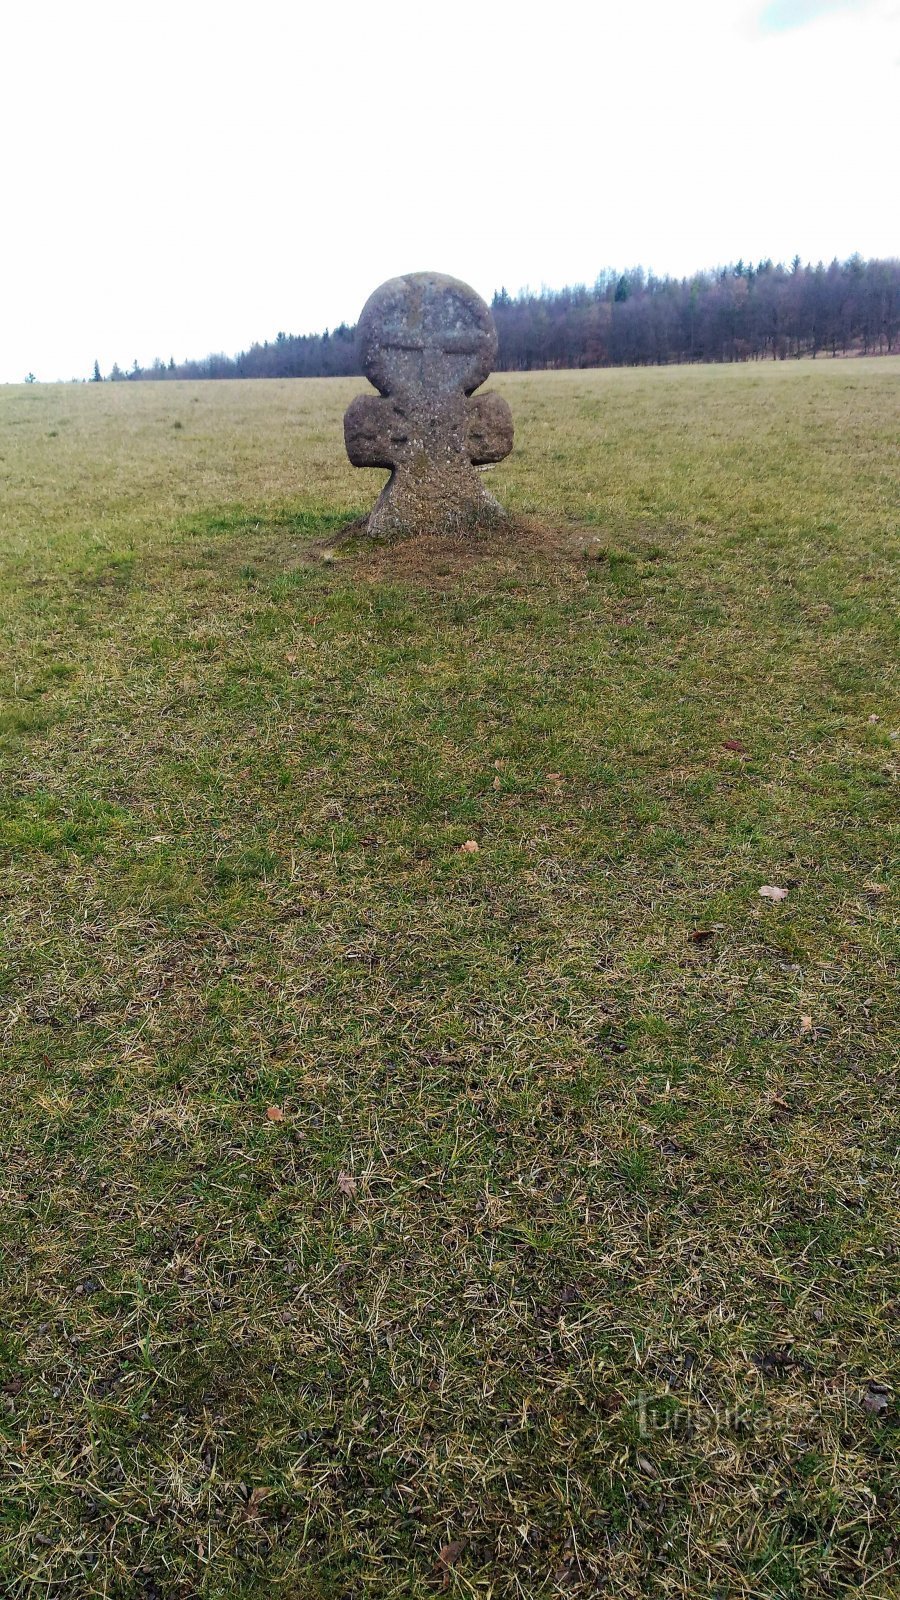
x=383, y=1219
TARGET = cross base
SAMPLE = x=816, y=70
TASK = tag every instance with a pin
x=455, y=503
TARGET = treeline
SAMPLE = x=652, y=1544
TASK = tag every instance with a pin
x=288, y=355
x=737, y=313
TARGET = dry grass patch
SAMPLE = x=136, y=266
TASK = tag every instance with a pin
x=567, y=1264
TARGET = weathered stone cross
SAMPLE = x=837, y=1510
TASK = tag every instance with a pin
x=426, y=342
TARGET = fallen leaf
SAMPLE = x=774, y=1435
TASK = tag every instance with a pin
x=646, y=1466
x=470, y=848
x=448, y=1555
x=554, y=777
x=703, y=935
x=346, y=1184
x=290, y=659
x=874, y=718
x=776, y=1361
x=275, y=1114
x=496, y=783
x=734, y=744
x=806, y=1024
x=770, y=891
x=566, y=1572
x=875, y=1400
x=875, y=888
x=254, y=1501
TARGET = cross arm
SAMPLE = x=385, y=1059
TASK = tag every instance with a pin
x=374, y=430
x=489, y=428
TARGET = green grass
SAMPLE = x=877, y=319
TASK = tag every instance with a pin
x=575, y=1247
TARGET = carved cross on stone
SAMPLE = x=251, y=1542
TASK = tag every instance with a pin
x=426, y=342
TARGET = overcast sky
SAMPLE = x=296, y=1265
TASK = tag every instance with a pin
x=185, y=177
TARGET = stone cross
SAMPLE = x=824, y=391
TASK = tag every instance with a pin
x=426, y=342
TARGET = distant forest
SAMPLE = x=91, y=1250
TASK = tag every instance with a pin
x=625, y=319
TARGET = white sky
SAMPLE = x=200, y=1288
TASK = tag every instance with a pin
x=177, y=178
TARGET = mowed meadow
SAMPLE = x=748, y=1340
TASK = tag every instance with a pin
x=382, y=1218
